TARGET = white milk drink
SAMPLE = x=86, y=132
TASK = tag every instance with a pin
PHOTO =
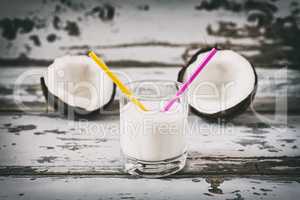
x=153, y=135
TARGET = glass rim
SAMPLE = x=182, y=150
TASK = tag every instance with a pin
x=155, y=81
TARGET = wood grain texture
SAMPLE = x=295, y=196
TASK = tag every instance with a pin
x=39, y=141
x=102, y=187
x=278, y=90
x=148, y=32
x=45, y=156
x=45, y=144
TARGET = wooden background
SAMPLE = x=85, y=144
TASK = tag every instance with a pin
x=45, y=156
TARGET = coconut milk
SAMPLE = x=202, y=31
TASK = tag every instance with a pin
x=152, y=135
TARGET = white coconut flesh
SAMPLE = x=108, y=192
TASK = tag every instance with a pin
x=79, y=82
x=224, y=82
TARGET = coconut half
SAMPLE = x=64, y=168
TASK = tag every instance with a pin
x=77, y=83
x=224, y=88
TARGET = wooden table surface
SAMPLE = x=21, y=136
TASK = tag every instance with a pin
x=46, y=156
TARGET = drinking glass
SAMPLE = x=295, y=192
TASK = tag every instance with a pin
x=153, y=142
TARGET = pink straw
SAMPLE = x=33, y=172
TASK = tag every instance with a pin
x=185, y=86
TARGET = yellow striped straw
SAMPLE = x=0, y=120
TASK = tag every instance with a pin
x=117, y=81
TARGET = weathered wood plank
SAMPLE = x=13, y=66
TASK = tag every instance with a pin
x=142, y=32
x=48, y=144
x=195, y=166
x=95, y=187
x=274, y=86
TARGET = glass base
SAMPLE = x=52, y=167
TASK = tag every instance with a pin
x=154, y=169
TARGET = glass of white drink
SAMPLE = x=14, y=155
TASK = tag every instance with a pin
x=153, y=142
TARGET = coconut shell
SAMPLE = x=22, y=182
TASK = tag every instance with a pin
x=68, y=110
x=224, y=114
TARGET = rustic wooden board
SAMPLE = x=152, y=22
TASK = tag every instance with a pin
x=47, y=144
x=101, y=187
x=275, y=86
x=45, y=156
x=41, y=142
x=140, y=31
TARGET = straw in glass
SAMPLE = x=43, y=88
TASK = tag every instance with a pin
x=185, y=86
x=116, y=80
